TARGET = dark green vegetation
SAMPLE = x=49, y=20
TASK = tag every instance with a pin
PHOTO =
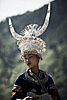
x=54, y=59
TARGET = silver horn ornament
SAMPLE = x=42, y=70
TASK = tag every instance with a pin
x=14, y=34
x=46, y=22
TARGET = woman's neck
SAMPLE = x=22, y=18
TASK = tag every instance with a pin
x=35, y=70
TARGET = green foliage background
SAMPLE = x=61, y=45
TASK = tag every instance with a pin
x=54, y=59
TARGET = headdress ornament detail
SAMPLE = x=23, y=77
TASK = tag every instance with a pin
x=28, y=42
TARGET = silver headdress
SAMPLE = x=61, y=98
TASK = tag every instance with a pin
x=28, y=42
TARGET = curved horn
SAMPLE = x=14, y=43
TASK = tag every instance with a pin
x=14, y=34
x=45, y=25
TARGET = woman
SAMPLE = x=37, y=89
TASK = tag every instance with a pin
x=33, y=82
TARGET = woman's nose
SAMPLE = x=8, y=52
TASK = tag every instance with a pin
x=27, y=59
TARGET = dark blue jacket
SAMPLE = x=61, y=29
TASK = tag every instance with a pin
x=23, y=86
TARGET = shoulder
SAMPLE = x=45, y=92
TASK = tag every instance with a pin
x=50, y=79
x=20, y=79
x=47, y=76
x=22, y=75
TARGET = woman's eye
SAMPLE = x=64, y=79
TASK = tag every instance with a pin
x=30, y=57
x=25, y=58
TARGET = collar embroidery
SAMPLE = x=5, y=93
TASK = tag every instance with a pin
x=39, y=79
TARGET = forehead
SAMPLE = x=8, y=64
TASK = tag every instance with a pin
x=28, y=55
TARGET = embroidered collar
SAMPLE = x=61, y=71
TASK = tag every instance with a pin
x=39, y=79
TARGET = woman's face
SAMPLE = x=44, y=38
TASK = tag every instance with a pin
x=31, y=60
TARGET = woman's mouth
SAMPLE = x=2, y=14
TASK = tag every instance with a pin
x=28, y=64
